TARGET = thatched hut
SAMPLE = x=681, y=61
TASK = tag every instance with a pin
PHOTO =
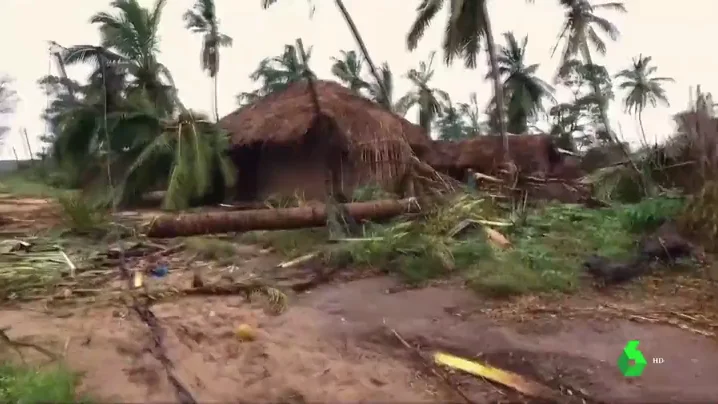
x=320, y=139
x=484, y=154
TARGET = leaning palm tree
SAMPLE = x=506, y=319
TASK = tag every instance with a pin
x=525, y=93
x=430, y=101
x=643, y=89
x=194, y=149
x=580, y=32
x=348, y=69
x=203, y=19
x=467, y=25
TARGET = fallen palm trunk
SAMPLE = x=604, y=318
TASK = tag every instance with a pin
x=272, y=219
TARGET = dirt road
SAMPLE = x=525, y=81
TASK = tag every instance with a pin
x=332, y=345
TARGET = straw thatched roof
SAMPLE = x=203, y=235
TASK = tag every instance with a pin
x=485, y=153
x=286, y=116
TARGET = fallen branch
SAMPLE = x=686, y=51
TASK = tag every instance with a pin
x=432, y=369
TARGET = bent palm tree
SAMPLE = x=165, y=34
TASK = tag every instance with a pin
x=468, y=24
x=429, y=100
x=580, y=32
x=193, y=148
x=202, y=19
x=524, y=91
x=348, y=70
x=643, y=89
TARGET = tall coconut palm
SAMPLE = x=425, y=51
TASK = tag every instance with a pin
x=429, y=100
x=348, y=69
x=355, y=33
x=132, y=35
x=467, y=25
x=580, y=33
x=525, y=93
x=643, y=89
x=202, y=19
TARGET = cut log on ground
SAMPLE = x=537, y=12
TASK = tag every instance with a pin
x=191, y=224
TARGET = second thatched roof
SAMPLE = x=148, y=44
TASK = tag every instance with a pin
x=286, y=116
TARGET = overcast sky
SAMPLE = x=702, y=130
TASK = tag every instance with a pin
x=674, y=36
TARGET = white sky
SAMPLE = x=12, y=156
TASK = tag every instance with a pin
x=650, y=27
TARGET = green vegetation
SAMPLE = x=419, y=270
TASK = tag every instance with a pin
x=549, y=243
x=21, y=384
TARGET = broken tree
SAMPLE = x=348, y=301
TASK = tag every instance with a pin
x=272, y=219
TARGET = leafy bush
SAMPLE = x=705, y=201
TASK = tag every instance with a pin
x=27, y=385
x=650, y=213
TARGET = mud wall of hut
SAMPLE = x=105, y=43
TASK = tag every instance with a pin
x=300, y=170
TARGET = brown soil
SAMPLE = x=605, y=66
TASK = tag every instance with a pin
x=26, y=214
x=335, y=344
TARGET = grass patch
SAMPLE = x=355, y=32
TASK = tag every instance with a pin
x=550, y=247
x=22, y=184
x=288, y=243
x=420, y=250
x=21, y=384
x=212, y=249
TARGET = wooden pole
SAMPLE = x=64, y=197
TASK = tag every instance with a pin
x=27, y=142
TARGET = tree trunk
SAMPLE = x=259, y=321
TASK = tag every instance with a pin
x=271, y=219
x=362, y=46
x=646, y=182
x=640, y=123
x=498, y=86
x=215, y=81
x=601, y=102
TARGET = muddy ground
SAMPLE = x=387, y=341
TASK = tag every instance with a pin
x=335, y=343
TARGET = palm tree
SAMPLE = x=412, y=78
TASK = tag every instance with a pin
x=467, y=25
x=382, y=91
x=643, y=89
x=348, y=69
x=451, y=124
x=472, y=112
x=523, y=90
x=192, y=147
x=429, y=100
x=277, y=73
x=580, y=33
x=132, y=36
x=355, y=33
x=8, y=99
x=202, y=19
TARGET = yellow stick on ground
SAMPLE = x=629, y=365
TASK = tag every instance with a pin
x=508, y=379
